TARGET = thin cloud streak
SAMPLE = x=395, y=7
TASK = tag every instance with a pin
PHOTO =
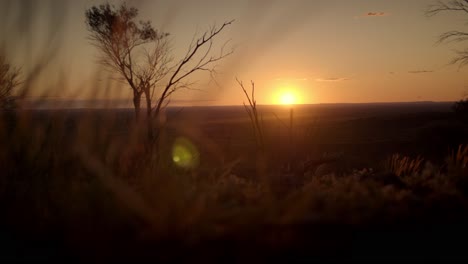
x=295, y=79
x=373, y=14
x=376, y=14
x=333, y=79
x=418, y=72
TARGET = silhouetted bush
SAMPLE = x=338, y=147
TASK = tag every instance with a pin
x=9, y=80
x=461, y=109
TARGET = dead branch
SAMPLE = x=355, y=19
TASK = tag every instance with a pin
x=205, y=63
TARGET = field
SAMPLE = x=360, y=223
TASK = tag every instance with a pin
x=344, y=181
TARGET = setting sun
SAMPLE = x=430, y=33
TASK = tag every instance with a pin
x=287, y=94
x=288, y=98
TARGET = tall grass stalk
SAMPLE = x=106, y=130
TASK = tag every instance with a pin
x=256, y=119
x=459, y=158
x=403, y=165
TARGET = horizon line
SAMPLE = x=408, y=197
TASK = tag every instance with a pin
x=52, y=107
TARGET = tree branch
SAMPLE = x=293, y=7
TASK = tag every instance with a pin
x=453, y=36
x=441, y=6
x=177, y=76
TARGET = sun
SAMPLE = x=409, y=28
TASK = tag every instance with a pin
x=287, y=98
x=287, y=94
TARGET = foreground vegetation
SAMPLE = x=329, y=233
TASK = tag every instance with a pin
x=87, y=191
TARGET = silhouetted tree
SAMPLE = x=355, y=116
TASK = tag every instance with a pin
x=135, y=50
x=117, y=36
x=461, y=109
x=9, y=79
x=452, y=36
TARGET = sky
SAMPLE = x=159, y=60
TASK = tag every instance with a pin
x=322, y=51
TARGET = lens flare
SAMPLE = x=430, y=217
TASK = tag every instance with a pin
x=185, y=154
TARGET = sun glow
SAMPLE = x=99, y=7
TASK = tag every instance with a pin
x=288, y=98
x=287, y=94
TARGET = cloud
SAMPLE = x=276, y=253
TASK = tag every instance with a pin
x=295, y=79
x=421, y=71
x=374, y=14
x=332, y=79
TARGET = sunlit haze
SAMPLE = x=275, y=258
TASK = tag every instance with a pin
x=330, y=51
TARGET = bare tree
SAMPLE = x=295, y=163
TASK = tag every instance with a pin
x=452, y=36
x=9, y=79
x=134, y=50
x=117, y=36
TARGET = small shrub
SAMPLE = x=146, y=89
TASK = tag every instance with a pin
x=457, y=165
x=461, y=109
x=9, y=80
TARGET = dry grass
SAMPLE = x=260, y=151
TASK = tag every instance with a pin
x=402, y=165
x=459, y=158
x=53, y=181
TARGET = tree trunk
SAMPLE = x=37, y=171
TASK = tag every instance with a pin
x=148, y=103
x=149, y=119
x=136, y=104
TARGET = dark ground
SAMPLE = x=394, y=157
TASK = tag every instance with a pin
x=363, y=131
x=363, y=134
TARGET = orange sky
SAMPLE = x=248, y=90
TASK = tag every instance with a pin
x=325, y=51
